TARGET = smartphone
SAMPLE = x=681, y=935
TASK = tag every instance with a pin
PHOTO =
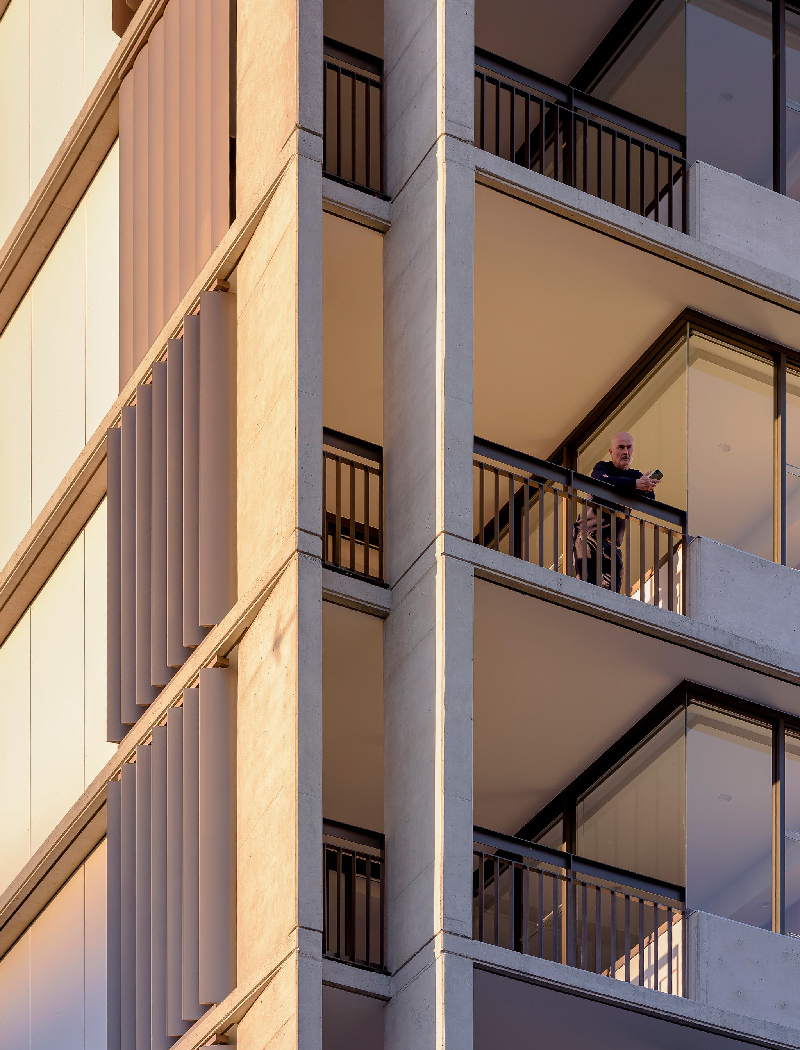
x=656, y=475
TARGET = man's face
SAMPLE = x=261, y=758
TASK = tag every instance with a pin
x=621, y=451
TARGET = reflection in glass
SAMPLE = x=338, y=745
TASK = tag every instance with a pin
x=792, y=833
x=553, y=837
x=729, y=816
x=655, y=414
x=793, y=468
x=729, y=86
x=731, y=445
x=634, y=818
x=648, y=77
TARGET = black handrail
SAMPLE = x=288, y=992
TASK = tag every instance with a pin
x=353, y=446
x=352, y=56
x=582, y=482
x=572, y=98
x=511, y=847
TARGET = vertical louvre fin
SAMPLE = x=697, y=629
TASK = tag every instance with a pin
x=115, y=730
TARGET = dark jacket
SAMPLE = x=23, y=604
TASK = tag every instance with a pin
x=624, y=481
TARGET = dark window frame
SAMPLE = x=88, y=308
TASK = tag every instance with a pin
x=690, y=322
x=634, y=17
x=563, y=807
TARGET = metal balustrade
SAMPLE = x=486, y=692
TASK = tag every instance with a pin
x=556, y=906
x=353, y=897
x=352, y=143
x=352, y=504
x=578, y=140
x=549, y=515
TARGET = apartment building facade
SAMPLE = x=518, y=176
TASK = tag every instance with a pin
x=317, y=729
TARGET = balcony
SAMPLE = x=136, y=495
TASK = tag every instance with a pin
x=352, y=505
x=540, y=512
x=580, y=141
x=353, y=895
x=353, y=117
x=553, y=905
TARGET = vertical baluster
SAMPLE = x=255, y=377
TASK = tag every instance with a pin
x=613, y=550
x=326, y=894
x=557, y=919
x=585, y=541
x=542, y=139
x=338, y=902
x=671, y=569
x=368, y=133
x=556, y=531
x=585, y=127
x=557, y=143
x=642, y=560
x=600, y=161
x=657, y=184
x=541, y=490
x=382, y=909
x=600, y=545
x=351, y=911
x=569, y=524
x=613, y=166
x=655, y=945
x=325, y=133
x=367, y=530
x=641, y=942
x=598, y=930
x=496, y=870
x=481, y=897
x=628, y=172
x=368, y=917
x=481, y=505
x=482, y=110
x=380, y=522
x=669, y=951
x=527, y=130
x=512, y=939
x=540, y=902
x=325, y=506
x=670, y=192
x=352, y=516
x=354, y=81
x=497, y=144
x=496, y=472
x=512, y=549
x=337, y=539
x=526, y=894
x=628, y=525
x=642, y=177
x=656, y=565
x=512, y=125
x=526, y=496
x=627, y=941
x=338, y=121
x=584, y=927
x=612, y=962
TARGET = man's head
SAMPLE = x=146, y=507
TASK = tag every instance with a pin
x=621, y=450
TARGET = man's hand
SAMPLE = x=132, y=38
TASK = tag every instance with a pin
x=646, y=484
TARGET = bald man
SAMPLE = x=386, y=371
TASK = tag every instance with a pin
x=619, y=474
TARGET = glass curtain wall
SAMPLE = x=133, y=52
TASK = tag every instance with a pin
x=705, y=415
x=693, y=804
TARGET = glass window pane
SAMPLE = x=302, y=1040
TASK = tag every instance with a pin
x=729, y=816
x=655, y=415
x=729, y=86
x=793, y=468
x=553, y=837
x=731, y=445
x=649, y=76
x=634, y=818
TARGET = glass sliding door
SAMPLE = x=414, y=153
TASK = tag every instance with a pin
x=634, y=818
x=729, y=815
x=729, y=86
x=731, y=445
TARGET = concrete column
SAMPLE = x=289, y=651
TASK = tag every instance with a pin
x=428, y=455
x=279, y=466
